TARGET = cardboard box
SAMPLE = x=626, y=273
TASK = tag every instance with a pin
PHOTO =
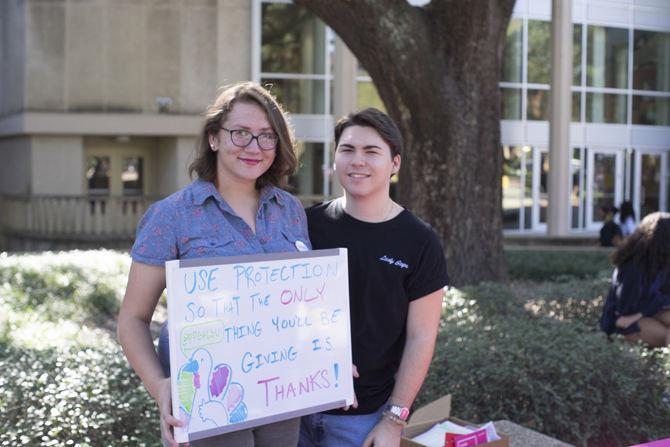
x=435, y=412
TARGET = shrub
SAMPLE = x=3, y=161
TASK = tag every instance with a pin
x=62, y=383
x=543, y=265
x=552, y=376
x=87, y=397
x=78, y=286
x=566, y=300
x=528, y=352
x=492, y=298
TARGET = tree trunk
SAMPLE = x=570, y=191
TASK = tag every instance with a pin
x=436, y=69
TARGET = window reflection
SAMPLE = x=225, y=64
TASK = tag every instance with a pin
x=605, y=108
x=512, y=62
x=309, y=178
x=576, y=191
x=577, y=54
x=651, y=110
x=650, y=184
x=510, y=108
x=512, y=188
x=292, y=40
x=538, y=105
x=604, y=175
x=607, y=57
x=544, y=179
x=528, y=187
x=539, y=51
x=298, y=95
x=576, y=107
x=651, y=61
x=132, y=176
x=294, y=44
x=97, y=175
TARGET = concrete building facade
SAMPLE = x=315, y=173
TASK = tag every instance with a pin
x=100, y=104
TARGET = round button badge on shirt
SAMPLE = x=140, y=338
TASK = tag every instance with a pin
x=300, y=245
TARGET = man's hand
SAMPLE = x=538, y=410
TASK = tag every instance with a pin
x=385, y=434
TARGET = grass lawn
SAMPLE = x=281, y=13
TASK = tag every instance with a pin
x=528, y=351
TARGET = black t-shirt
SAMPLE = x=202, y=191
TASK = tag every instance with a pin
x=390, y=264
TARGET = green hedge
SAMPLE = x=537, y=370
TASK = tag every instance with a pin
x=64, y=381
x=565, y=299
x=543, y=265
x=85, y=287
x=560, y=377
x=73, y=396
x=529, y=352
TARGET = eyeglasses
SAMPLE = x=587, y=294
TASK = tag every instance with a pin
x=267, y=141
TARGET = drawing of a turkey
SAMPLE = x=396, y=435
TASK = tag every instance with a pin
x=207, y=395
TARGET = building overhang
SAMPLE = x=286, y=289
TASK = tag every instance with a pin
x=308, y=128
x=131, y=124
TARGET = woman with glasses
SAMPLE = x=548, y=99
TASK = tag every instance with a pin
x=234, y=207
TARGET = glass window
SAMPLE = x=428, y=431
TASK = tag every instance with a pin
x=330, y=49
x=132, y=177
x=539, y=51
x=607, y=57
x=367, y=96
x=605, y=108
x=512, y=196
x=528, y=188
x=97, y=175
x=538, y=105
x=576, y=107
x=308, y=181
x=576, y=193
x=651, y=61
x=510, y=108
x=544, y=180
x=650, y=184
x=513, y=52
x=577, y=54
x=604, y=179
x=293, y=40
x=298, y=95
x=651, y=110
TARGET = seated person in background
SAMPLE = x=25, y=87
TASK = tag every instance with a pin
x=610, y=233
x=626, y=218
x=638, y=303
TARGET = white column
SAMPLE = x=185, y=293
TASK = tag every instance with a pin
x=344, y=74
x=344, y=91
x=558, y=219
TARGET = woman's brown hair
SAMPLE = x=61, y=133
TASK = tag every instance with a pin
x=648, y=247
x=285, y=161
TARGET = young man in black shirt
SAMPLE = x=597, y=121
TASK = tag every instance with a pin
x=397, y=273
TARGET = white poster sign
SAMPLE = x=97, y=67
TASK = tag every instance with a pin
x=257, y=339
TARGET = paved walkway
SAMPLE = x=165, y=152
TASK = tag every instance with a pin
x=525, y=437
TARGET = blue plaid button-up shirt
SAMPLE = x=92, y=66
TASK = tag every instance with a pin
x=196, y=222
